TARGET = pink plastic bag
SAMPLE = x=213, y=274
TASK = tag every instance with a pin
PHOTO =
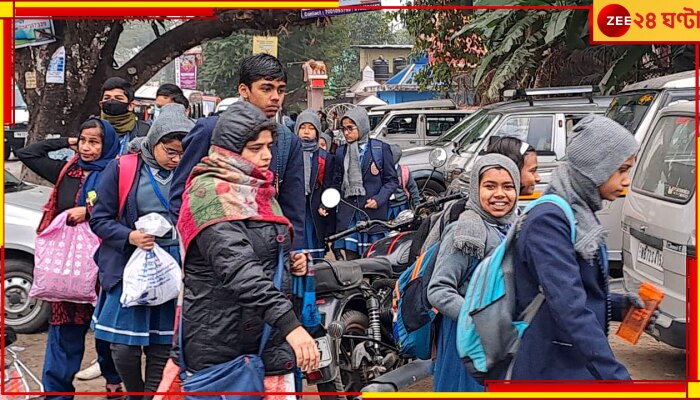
x=64, y=269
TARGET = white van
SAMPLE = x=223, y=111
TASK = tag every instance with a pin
x=658, y=217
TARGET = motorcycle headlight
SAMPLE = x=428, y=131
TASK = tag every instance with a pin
x=403, y=217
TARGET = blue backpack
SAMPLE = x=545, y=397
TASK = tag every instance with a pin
x=413, y=328
x=488, y=331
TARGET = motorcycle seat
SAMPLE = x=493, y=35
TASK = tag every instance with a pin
x=378, y=266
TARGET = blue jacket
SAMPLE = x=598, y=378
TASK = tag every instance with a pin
x=196, y=145
x=115, y=249
x=567, y=339
x=378, y=187
x=324, y=226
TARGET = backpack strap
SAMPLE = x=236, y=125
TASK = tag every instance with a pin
x=128, y=164
x=561, y=203
x=405, y=174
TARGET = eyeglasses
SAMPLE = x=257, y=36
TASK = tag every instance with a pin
x=349, y=128
x=170, y=153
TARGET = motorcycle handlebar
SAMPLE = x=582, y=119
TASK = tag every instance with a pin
x=362, y=225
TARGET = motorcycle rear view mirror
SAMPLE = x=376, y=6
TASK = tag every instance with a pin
x=437, y=157
x=330, y=198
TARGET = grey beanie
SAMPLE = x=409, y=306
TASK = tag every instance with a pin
x=311, y=117
x=172, y=118
x=359, y=116
x=598, y=146
x=239, y=124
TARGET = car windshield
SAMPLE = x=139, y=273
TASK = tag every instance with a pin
x=476, y=134
x=14, y=184
x=19, y=101
x=667, y=166
x=628, y=109
x=453, y=132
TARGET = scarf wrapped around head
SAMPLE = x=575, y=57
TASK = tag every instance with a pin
x=353, y=184
x=110, y=149
x=476, y=230
x=598, y=146
x=308, y=146
x=225, y=186
x=172, y=119
x=328, y=137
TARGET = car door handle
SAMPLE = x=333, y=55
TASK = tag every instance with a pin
x=412, y=141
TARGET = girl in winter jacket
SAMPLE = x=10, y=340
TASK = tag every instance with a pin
x=567, y=339
x=308, y=128
x=484, y=223
x=234, y=232
x=135, y=330
x=75, y=184
x=366, y=177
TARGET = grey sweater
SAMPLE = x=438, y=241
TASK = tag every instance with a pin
x=448, y=284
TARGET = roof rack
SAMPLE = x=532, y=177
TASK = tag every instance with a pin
x=528, y=94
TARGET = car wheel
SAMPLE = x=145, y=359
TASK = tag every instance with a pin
x=433, y=188
x=23, y=314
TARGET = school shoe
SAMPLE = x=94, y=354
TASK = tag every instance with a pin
x=91, y=372
x=115, y=388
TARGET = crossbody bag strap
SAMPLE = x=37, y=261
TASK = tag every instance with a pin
x=267, y=330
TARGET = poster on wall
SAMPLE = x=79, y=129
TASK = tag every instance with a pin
x=33, y=32
x=56, y=72
x=186, y=71
x=265, y=44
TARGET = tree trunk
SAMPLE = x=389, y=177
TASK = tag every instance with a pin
x=90, y=44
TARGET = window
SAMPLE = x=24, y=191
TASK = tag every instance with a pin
x=436, y=125
x=571, y=121
x=667, y=164
x=536, y=131
x=628, y=110
x=403, y=125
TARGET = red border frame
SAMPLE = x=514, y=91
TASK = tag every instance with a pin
x=692, y=273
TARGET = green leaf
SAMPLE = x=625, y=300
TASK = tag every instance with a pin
x=556, y=25
x=623, y=66
x=574, y=28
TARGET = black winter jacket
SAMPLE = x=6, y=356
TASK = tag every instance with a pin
x=229, y=295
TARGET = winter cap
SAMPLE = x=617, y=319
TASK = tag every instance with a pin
x=359, y=116
x=308, y=116
x=598, y=146
x=239, y=124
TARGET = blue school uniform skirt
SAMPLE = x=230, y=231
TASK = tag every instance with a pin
x=315, y=247
x=395, y=210
x=449, y=374
x=136, y=325
x=357, y=242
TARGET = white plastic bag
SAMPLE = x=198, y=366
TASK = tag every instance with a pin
x=151, y=277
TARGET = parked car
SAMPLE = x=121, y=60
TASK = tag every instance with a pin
x=658, y=217
x=377, y=113
x=225, y=103
x=412, y=128
x=16, y=135
x=23, y=211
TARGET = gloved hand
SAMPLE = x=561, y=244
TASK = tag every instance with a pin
x=633, y=300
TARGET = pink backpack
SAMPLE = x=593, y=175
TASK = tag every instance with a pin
x=64, y=269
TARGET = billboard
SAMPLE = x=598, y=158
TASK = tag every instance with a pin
x=330, y=12
x=33, y=32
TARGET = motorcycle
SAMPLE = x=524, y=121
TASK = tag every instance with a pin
x=17, y=376
x=354, y=300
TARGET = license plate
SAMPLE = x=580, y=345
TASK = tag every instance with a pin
x=650, y=256
x=20, y=135
x=324, y=349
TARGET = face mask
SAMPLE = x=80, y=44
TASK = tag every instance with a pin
x=115, y=107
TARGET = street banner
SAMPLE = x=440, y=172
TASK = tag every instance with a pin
x=56, y=72
x=265, y=44
x=330, y=12
x=33, y=32
x=186, y=71
x=637, y=22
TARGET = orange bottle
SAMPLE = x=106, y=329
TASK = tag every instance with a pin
x=636, y=320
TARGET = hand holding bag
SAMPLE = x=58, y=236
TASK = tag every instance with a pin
x=64, y=269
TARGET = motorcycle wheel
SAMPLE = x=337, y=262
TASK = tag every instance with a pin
x=347, y=380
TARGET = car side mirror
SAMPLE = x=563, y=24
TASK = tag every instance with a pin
x=437, y=157
x=384, y=131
